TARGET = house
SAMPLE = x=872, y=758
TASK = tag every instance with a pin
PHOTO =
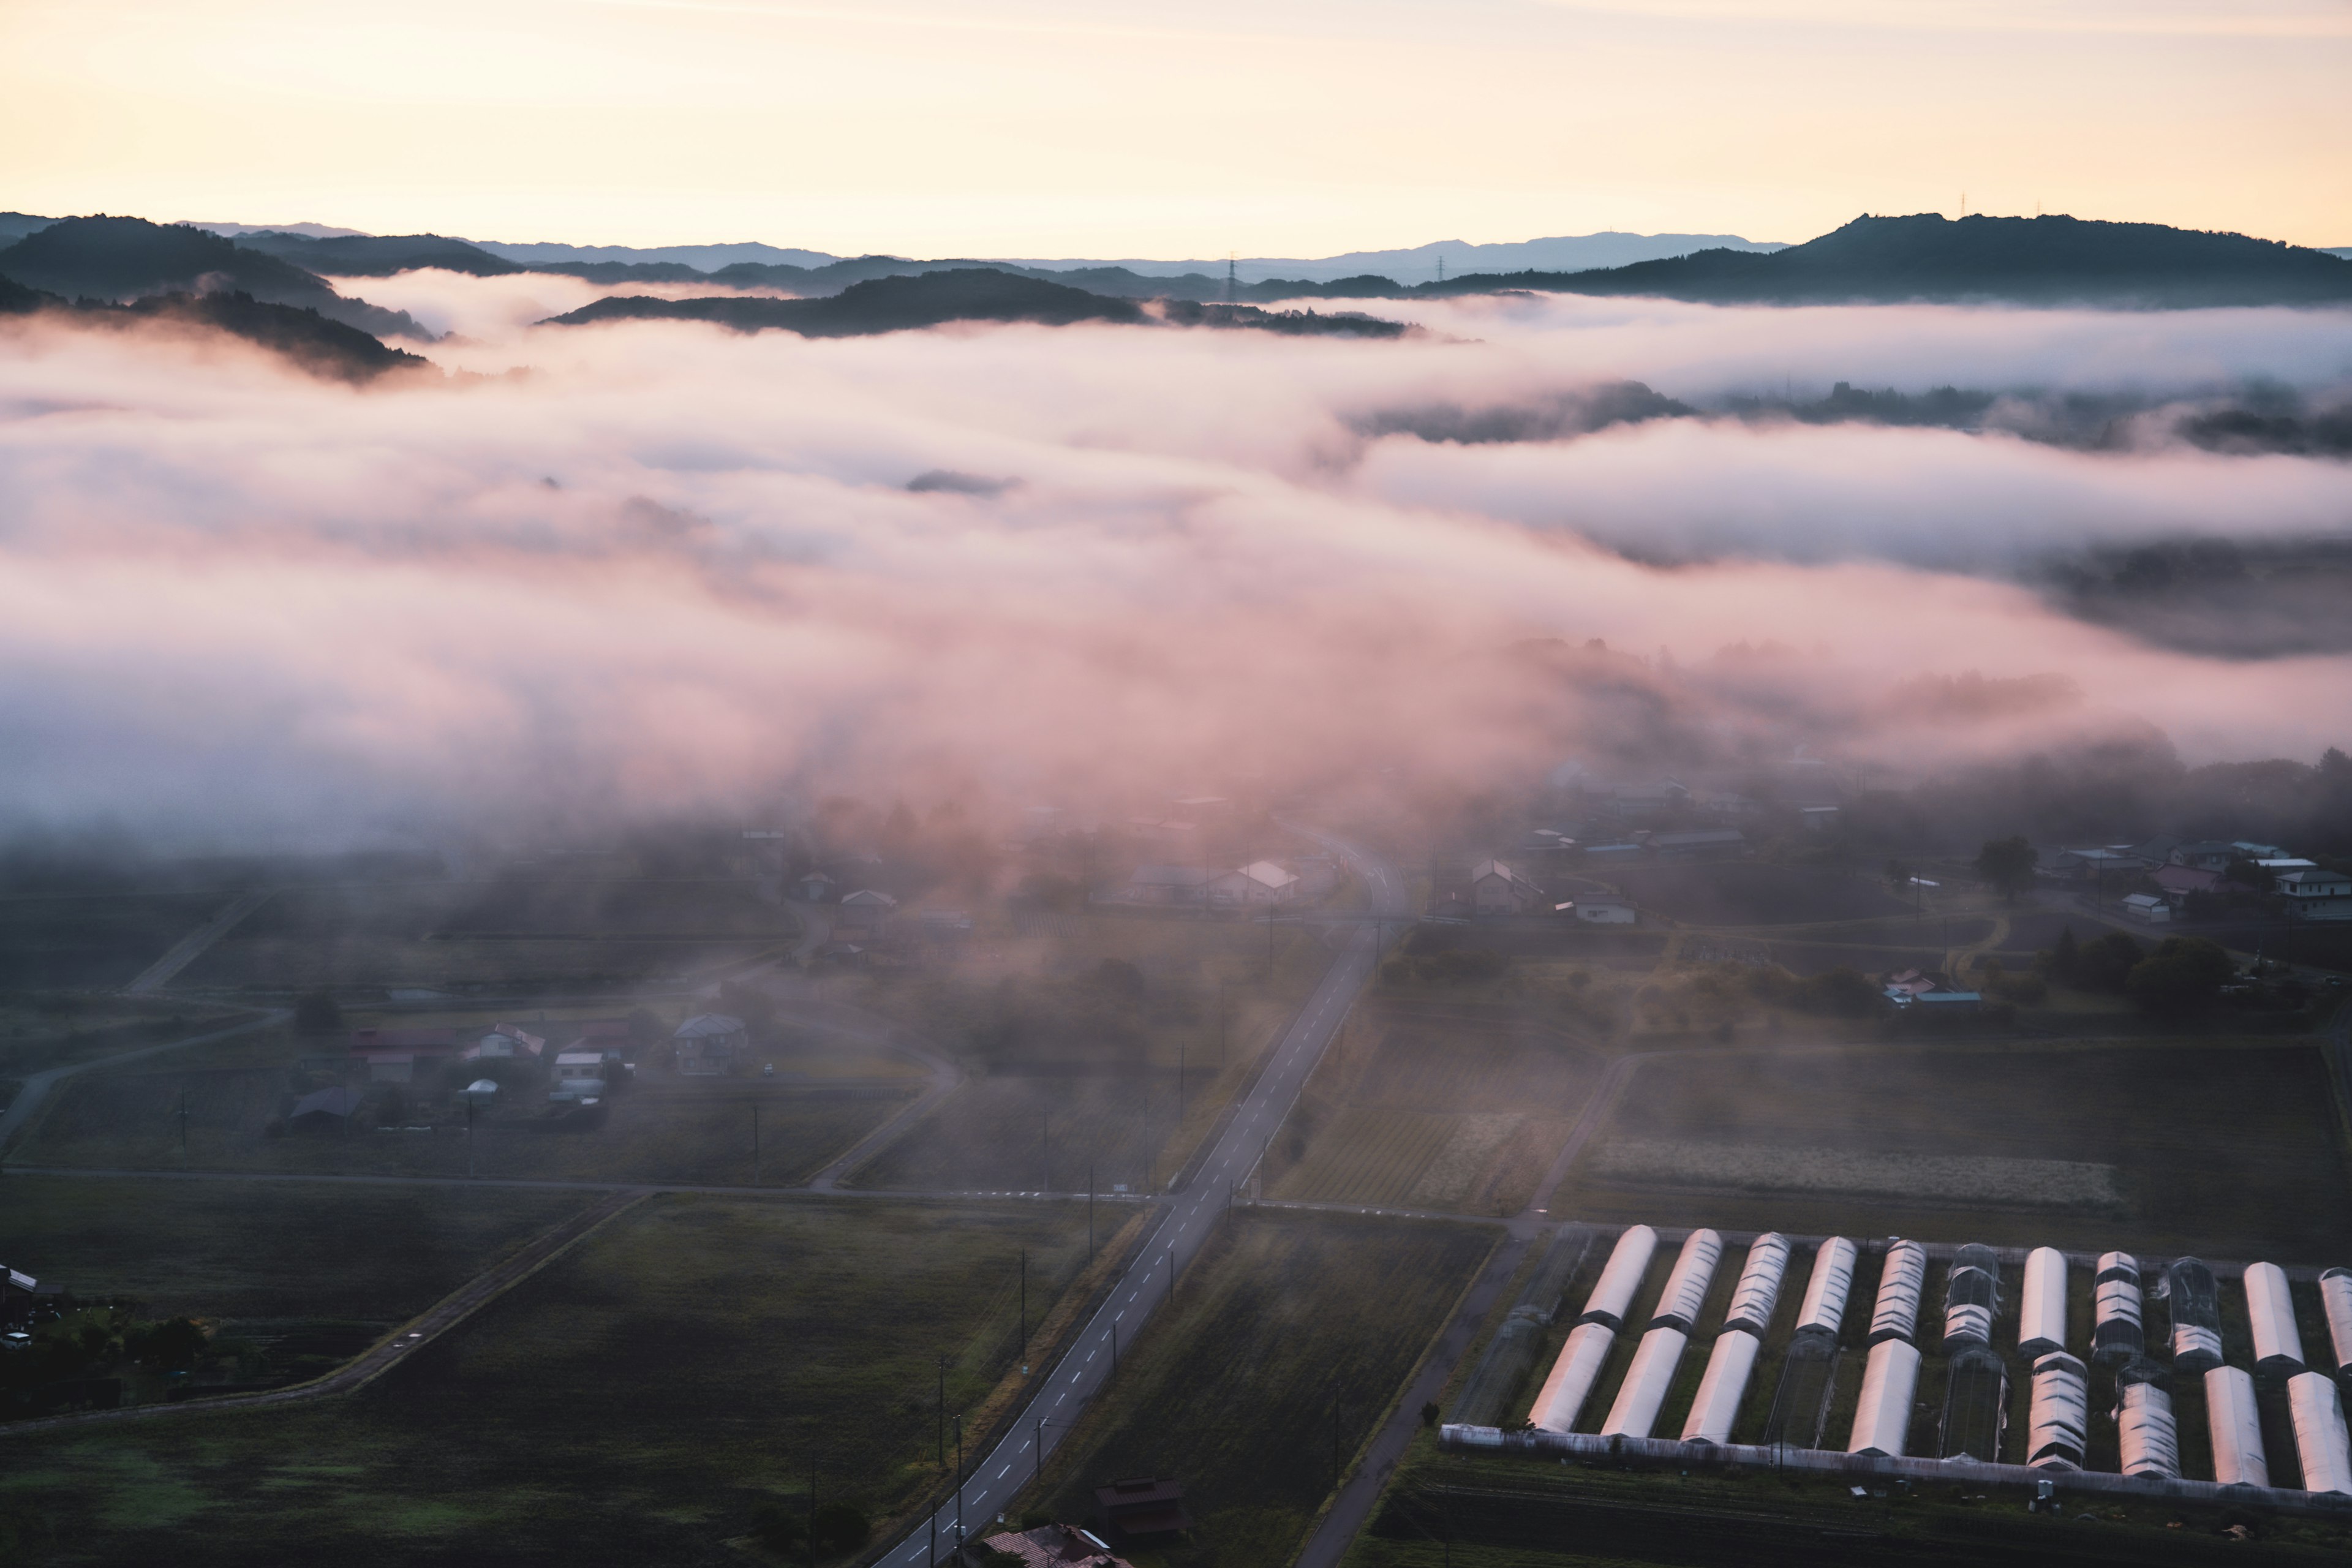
x=1911, y=983
x=1818, y=818
x=1057, y=1546
x=1606, y=852
x=22, y=1298
x=865, y=914
x=2307, y=890
x=2148, y=909
x=1497, y=889
x=2178, y=880
x=1259, y=882
x=328, y=1111
x=814, y=888
x=1700, y=843
x=2091, y=865
x=2203, y=855
x=393, y=1055
x=504, y=1042
x=1144, y=1506
x=580, y=1075
x=1606, y=911
x=1164, y=886
x=709, y=1045
x=2249, y=850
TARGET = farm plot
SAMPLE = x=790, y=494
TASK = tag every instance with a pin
x=1754, y=893
x=656, y=1131
x=1288, y=1340
x=231, y=1248
x=92, y=941
x=639, y=1401
x=2229, y=1151
x=1433, y=1108
x=1044, y=1133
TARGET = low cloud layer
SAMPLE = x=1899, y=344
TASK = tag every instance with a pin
x=653, y=567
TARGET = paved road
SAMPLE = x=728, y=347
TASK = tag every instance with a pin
x=422, y=1331
x=1186, y=1221
x=35, y=1087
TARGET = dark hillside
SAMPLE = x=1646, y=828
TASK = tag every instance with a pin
x=967, y=294
x=2041, y=262
x=882, y=305
x=123, y=258
x=379, y=256
x=310, y=340
x=15, y=226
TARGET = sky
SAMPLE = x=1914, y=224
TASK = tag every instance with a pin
x=1112, y=128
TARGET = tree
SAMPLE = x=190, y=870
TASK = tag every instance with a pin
x=2067, y=958
x=2107, y=965
x=839, y=1527
x=2006, y=865
x=317, y=1014
x=2182, y=974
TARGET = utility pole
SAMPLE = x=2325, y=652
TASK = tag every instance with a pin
x=1045, y=1132
x=1024, y=1312
x=943, y=1411
x=755, y=1142
x=1090, y=1212
x=958, y=1420
x=812, y=1524
x=470, y=1137
x=184, y=1124
x=1180, y=1083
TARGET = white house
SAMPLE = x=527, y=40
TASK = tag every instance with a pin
x=506, y=1041
x=2314, y=893
x=1497, y=889
x=1259, y=882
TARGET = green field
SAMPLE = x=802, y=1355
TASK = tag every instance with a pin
x=1429, y=1106
x=2229, y=1151
x=681, y=1130
x=634, y=1403
x=233, y=1249
x=1292, y=1333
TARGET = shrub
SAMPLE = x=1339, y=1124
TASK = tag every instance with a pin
x=2182, y=974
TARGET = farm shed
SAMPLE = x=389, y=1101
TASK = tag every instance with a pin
x=1971, y=1297
x=2116, y=1335
x=2193, y=1298
x=1686, y=1289
x=1561, y=1399
x=1900, y=1283
x=1758, y=1291
x=328, y=1110
x=1646, y=1382
x=2270, y=1313
x=1976, y=1404
x=2148, y=1435
x=1716, y=1404
x=1825, y=1293
x=2335, y=1296
x=2041, y=1307
x=2060, y=1416
x=2148, y=909
x=2319, y=1438
x=1628, y=1261
x=1883, y=1418
x=2236, y=1426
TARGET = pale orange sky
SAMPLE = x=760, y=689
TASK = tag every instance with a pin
x=1271, y=127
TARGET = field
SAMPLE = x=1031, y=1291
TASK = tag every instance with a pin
x=1040, y=1132
x=634, y=1403
x=660, y=1129
x=1286, y=1342
x=1432, y=1106
x=92, y=940
x=230, y=1249
x=2229, y=1151
x=1751, y=892
x=518, y=934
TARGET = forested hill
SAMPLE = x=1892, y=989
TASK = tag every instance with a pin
x=129, y=258
x=323, y=348
x=959, y=294
x=2041, y=262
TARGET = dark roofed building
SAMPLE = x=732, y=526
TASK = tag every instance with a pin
x=1144, y=1505
x=1057, y=1546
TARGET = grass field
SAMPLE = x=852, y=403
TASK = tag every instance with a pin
x=518, y=933
x=230, y=1249
x=1435, y=1107
x=2231, y=1150
x=633, y=1404
x=659, y=1131
x=1291, y=1335
x=1031, y=1133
